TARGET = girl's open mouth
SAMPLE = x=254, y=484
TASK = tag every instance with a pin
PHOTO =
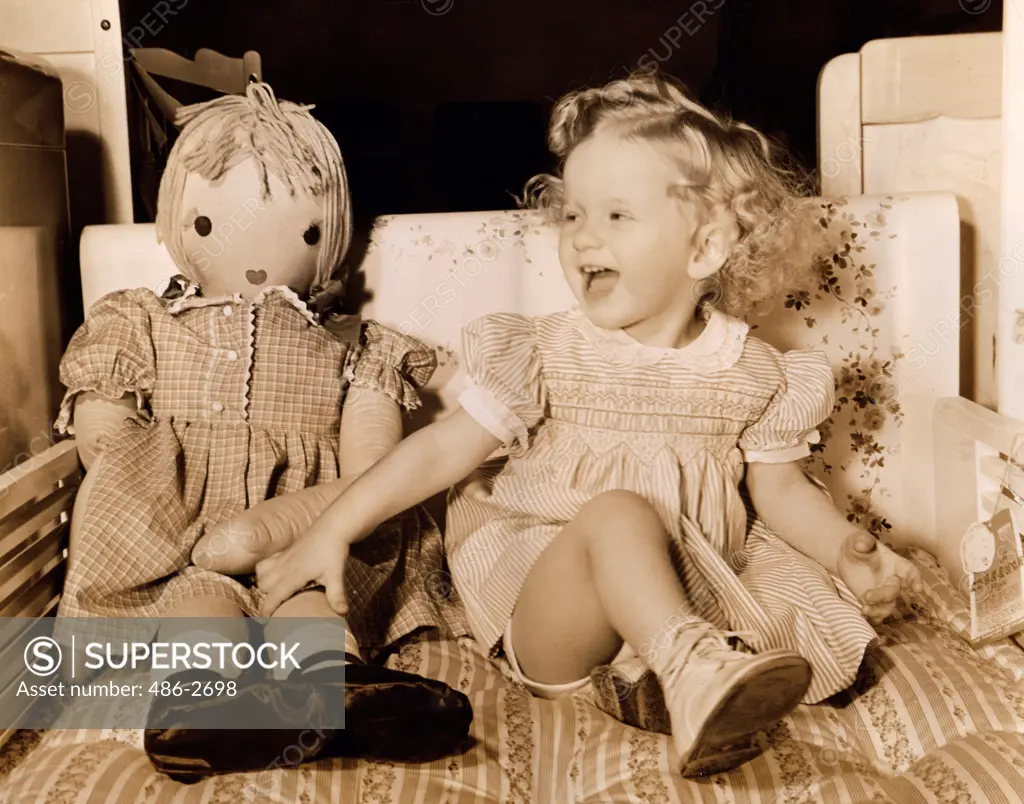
x=598, y=280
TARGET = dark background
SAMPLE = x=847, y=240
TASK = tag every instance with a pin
x=441, y=105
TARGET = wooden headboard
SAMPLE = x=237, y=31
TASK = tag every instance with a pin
x=922, y=114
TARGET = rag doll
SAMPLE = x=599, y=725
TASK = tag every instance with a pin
x=241, y=383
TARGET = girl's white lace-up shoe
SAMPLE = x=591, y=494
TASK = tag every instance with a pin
x=719, y=698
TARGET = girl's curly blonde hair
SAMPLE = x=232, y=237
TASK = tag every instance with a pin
x=725, y=165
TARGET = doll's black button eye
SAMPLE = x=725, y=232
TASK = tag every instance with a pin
x=312, y=235
x=203, y=226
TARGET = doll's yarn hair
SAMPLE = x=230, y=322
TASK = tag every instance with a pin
x=283, y=139
x=723, y=165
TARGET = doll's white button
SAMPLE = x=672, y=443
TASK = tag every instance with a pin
x=232, y=355
x=217, y=407
x=228, y=310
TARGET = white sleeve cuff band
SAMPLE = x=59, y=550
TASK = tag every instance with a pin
x=489, y=412
x=784, y=455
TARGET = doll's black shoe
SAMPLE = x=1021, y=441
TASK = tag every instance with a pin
x=393, y=715
x=388, y=715
x=186, y=737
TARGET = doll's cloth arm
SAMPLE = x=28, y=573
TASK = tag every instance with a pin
x=503, y=400
x=418, y=467
x=438, y=456
x=236, y=545
x=111, y=355
x=371, y=425
x=97, y=420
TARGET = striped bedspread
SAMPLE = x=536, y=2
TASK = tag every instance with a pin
x=929, y=720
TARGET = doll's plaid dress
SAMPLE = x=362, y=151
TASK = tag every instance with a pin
x=241, y=402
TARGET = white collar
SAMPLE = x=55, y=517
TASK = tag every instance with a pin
x=191, y=300
x=718, y=346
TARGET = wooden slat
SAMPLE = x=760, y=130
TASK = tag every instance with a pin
x=963, y=157
x=209, y=68
x=840, y=159
x=36, y=500
x=12, y=660
x=12, y=646
x=12, y=669
x=38, y=476
x=39, y=597
x=1010, y=222
x=13, y=631
x=985, y=426
x=25, y=525
x=15, y=673
x=22, y=572
x=916, y=78
x=995, y=467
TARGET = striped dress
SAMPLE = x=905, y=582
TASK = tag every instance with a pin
x=584, y=410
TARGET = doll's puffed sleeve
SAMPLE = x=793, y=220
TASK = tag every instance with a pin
x=804, y=400
x=111, y=354
x=392, y=363
x=502, y=386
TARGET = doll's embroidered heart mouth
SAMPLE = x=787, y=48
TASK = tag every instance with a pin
x=256, y=277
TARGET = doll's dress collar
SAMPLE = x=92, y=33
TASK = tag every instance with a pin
x=183, y=294
x=717, y=348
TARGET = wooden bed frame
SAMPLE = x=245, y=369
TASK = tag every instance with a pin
x=36, y=498
x=923, y=114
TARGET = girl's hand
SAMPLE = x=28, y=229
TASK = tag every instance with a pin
x=875, y=574
x=319, y=556
x=427, y=462
x=236, y=545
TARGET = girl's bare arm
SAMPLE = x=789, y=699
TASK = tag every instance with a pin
x=424, y=464
x=427, y=462
x=371, y=425
x=798, y=511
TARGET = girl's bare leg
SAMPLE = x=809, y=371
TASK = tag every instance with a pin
x=607, y=577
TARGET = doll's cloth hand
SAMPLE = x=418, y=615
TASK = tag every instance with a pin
x=318, y=555
x=875, y=574
x=97, y=421
x=237, y=545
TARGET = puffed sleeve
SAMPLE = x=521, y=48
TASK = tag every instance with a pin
x=392, y=363
x=111, y=354
x=502, y=383
x=804, y=400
